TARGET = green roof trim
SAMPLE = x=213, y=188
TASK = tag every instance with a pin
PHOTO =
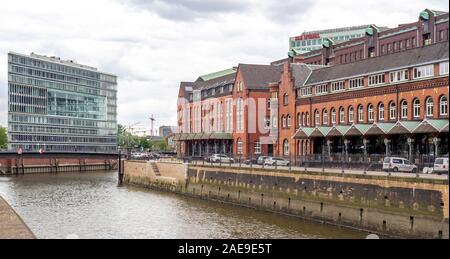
x=303, y=133
x=385, y=127
x=327, y=43
x=369, y=31
x=325, y=130
x=425, y=15
x=190, y=136
x=410, y=125
x=343, y=129
x=218, y=74
x=363, y=128
x=439, y=124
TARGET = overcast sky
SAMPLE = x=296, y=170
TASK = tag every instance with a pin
x=152, y=45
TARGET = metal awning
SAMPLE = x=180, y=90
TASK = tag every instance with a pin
x=379, y=129
x=198, y=136
x=206, y=136
x=403, y=127
x=303, y=133
x=177, y=137
x=432, y=126
x=190, y=136
x=353, y=131
x=316, y=134
x=338, y=131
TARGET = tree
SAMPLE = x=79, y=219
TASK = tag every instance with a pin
x=3, y=138
x=159, y=145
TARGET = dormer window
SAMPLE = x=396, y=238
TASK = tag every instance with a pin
x=337, y=86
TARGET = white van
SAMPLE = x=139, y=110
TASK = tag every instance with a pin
x=398, y=164
x=441, y=165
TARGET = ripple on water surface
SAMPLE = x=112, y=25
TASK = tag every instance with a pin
x=90, y=205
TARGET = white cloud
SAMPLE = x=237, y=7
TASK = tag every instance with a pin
x=152, y=46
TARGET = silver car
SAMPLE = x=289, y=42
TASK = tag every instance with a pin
x=272, y=161
x=398, y=164
x=221, y=158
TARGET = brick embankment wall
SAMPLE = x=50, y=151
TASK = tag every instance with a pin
x=11, y=225
x=40, y=165
x=397, y=207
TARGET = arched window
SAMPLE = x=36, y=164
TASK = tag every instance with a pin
x=351, y=115
x=341, y=115
x=430, y=107
x=381, y=112
x=325, y=117
x=317, y=118
x=283, y=119
x=308, y=121
x=416, y=108
x=370, y=115
x=360, y=113
x=289, y=121
x=333, y=116
x=303, y=119
x=404, y=107
x=286, y=147
x=299, y=120
x=239, y=146
x=392, y=111
x=443, y=106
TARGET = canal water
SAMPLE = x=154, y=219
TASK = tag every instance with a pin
x=91, y=205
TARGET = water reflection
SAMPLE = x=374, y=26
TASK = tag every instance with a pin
x=90, y=205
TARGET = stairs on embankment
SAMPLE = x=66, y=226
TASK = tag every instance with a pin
x=155, y=169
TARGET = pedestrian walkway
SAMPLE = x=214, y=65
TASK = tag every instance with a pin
x=11, y=225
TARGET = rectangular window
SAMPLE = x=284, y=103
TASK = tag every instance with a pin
x=337, y=86
x=443, y=68
x=398, y=76
x=306, y=91
x=257, y=148
x=357, y=82
x=423, y=71
x=321, y=89
x=376, y=79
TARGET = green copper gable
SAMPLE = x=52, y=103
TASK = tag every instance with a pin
x=369, y=31
x=425, y=15
x=218, y=74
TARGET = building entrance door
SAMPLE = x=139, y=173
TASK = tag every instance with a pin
x=270, y=150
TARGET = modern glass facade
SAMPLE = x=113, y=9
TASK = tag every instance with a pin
x=60, y=105
x=313, y=40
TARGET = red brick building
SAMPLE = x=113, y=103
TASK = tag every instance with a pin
x=431, y=27
x=226, y=112
x=385, y=93
x=391, y=104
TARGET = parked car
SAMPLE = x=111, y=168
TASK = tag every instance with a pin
x=441, y=165
x=216, y=158
x=398, y=164
x=262, y=159
x=272, y=161
x=250, y=161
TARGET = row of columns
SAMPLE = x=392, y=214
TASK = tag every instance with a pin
x=215, y=146
x=387, y=142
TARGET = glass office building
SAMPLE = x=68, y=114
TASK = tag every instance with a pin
x=59, y=105
x=313, y=40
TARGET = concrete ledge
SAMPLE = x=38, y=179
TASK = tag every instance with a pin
x=11, y=225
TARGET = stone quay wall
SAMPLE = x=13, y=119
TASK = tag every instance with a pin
x=11, y=225
x=389, y=206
